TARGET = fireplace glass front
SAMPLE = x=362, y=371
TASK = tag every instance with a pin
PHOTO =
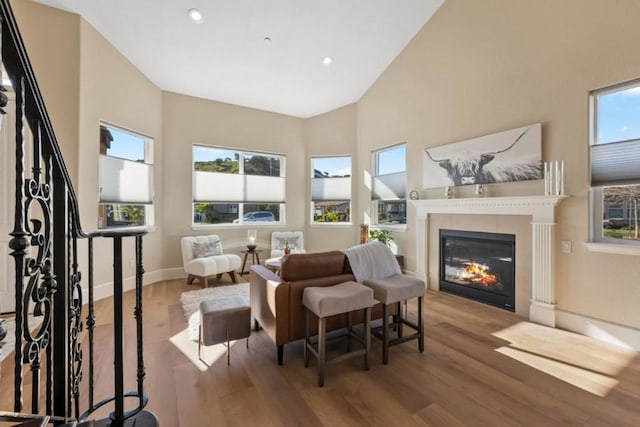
x=478, y=265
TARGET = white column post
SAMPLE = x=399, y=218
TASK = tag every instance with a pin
x=543, y=291
x=422, y=247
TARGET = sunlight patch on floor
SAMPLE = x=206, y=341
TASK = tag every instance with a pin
x=584, y=362
x=210, y=354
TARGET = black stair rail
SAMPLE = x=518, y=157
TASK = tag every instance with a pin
x=47, y=275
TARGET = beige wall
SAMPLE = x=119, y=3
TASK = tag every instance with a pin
x=482, y=67
x=332, y=134
x=84, y=80
x=187, y=121
x=56, y=64
x=112, y=90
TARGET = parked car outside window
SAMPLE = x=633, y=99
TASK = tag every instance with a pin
x=258, y=216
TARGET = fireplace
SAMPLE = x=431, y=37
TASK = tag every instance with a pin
x=478, y=265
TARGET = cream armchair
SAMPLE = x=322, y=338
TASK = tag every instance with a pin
x=279, y=240
x=203, y=257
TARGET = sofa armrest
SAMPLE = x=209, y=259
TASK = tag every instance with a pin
x=269, y=297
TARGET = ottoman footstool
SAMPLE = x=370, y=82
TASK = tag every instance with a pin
x=222, y=320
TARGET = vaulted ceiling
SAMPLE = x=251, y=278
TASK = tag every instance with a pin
x=265, y=54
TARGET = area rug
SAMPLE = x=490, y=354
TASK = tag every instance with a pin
x=191, y=302
x=10, y=340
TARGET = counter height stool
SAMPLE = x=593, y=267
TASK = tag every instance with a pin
x=330, y=301
x=394, y=290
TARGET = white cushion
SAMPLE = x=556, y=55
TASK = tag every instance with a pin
x=279, y=240
x=216, y=264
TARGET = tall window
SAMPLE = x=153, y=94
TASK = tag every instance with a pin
x=389, y=185
x=237, y=187
x=331, y=190
x=615, y=163
x=126, y=178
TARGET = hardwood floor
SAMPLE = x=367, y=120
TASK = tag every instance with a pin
x=481, y=367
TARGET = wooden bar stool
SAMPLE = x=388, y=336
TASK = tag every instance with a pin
x=394, y=290
x=330, y=301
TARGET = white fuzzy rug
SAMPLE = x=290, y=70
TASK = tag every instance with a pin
x=191, y=302
x=10, y=340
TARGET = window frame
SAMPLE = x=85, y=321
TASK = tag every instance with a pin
x=239, y=206
x=375, y=203
x=597, y=240
x=149, y=159
x=312, y=202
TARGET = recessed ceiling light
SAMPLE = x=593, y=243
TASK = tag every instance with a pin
x=195, y=15
x=327, y=60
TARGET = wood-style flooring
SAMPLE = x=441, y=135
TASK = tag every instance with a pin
x=482, y=366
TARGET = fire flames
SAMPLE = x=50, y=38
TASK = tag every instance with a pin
x=477, y=273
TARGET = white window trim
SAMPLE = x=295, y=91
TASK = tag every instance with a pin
x=149, y=209
x=373, y=214
x=597, y=241
x=241, y=152
x=314, y=223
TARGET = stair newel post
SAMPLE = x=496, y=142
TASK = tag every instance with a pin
x=91, y=319
x=118, y=415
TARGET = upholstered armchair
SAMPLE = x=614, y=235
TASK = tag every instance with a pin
x=279, y=240
x=203, y=257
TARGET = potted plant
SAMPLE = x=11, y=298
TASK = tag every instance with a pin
x=381, y=235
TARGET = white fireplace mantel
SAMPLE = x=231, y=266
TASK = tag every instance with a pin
x=541, y=209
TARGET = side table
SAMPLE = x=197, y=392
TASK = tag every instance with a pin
x=255, y=259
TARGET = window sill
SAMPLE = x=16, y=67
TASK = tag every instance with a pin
x=331, y=225
x=611, y=248
x=236, y=226
x=400, y=228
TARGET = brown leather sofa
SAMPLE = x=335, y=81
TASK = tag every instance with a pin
x=276, y=301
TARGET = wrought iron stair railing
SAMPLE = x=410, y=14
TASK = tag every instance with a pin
x=44, y=244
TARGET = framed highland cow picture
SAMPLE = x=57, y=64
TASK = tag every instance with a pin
x=512, y=155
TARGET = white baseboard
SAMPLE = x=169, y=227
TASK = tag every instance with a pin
x=614, y=333
x=105, y=290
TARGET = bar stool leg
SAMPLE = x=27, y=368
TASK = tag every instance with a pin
x=306, y=337
x=399, y=317
x=349, y=331
x=321, y=350
x=421, y=326
x=385, y=334
x=367, y=338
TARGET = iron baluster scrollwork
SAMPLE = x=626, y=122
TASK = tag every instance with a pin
x=40, y=281
x=75, y=327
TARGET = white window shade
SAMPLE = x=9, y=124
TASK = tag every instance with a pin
x=615, y=163
x=226, y=187
x=389, y=187
x=125, y=181
x=330, y=189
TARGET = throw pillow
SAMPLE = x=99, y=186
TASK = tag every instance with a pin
x=210, y=248
x=294, y=242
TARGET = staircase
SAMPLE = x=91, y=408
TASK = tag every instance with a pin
x=52, y=360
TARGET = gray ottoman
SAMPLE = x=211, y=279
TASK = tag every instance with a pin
x=222, y=320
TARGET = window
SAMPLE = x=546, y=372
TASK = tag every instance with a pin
x=237, y=187
x=615, y=164
x=331, y=190
x=389, y=185
x=126, y=179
